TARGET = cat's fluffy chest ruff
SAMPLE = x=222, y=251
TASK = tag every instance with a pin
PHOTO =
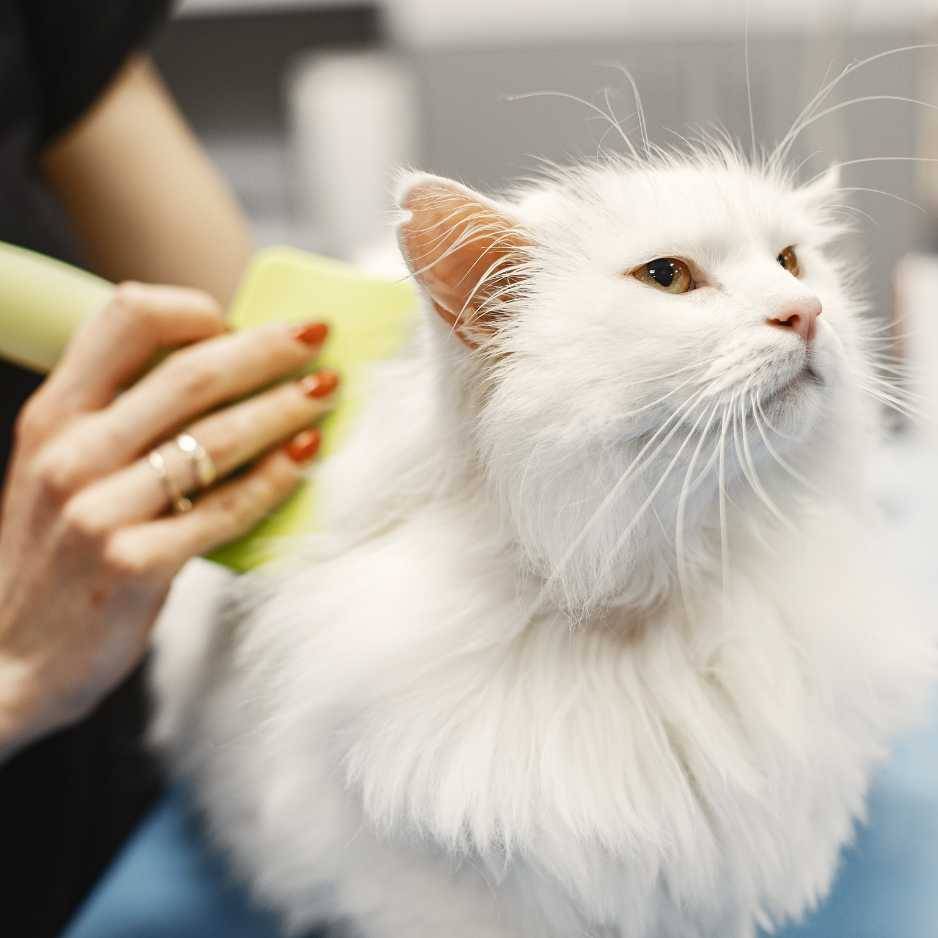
x=587, y=778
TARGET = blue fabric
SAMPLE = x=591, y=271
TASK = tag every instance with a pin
x=166, y=885
x=888, y=886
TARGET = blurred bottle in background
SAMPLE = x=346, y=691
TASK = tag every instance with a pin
x=352, y=124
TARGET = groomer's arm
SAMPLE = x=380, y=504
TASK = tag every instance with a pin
x=142, y=194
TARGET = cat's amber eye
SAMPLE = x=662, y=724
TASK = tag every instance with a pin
x=789, y=260
x=666, y=273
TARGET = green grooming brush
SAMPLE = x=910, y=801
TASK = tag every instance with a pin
x=42, y=302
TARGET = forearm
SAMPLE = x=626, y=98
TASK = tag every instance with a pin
x=142, y=194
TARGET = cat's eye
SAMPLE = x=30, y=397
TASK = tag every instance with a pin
x=789, y=260
x=666, y=273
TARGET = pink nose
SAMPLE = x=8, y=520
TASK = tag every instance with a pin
x=801, y=317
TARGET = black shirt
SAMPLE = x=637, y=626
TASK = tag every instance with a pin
x=67, y=802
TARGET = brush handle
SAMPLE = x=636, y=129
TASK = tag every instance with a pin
x=42, y=303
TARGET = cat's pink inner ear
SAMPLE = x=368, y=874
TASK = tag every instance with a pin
x=464, y=252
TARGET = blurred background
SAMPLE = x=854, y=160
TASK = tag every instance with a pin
x=309, y=105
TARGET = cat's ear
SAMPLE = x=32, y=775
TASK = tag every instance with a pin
x=820, y=190
x=465, y=250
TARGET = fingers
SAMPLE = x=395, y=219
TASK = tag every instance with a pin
x=219, y=516
x=188, y=383
x=113, y=347
x=231, y=437
x=237, y=434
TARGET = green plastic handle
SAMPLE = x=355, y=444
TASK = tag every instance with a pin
x=43, y=301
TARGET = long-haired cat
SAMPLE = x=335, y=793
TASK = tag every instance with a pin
x=598, y=640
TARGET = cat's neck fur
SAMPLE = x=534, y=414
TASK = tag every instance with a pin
x=414, y=453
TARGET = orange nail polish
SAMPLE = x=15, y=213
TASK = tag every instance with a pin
x=304, y=445
x=313, y=333
x=321, y=384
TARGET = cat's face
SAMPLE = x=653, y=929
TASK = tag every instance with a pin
x=644, y=337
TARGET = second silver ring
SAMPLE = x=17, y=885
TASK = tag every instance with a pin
x=203, y=466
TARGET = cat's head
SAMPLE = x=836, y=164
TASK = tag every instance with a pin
x=631, y=337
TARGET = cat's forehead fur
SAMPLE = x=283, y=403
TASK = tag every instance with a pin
x=708, y=208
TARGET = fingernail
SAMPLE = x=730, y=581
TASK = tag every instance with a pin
x=304, y=445
x=321, y=384
x=313, y=333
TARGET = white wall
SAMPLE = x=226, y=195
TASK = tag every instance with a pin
x=508, y=20
x=497, y=21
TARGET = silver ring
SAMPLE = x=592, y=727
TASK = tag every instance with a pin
x=202, y=463
x=176, y=498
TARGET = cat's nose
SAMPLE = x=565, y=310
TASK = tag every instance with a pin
x=801, y=317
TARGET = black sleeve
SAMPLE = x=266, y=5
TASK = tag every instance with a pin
x=77, y=47
x=69, y=801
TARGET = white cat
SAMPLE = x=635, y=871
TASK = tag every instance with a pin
x=598, y=640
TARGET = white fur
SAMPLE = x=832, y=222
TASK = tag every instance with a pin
x=507, y=693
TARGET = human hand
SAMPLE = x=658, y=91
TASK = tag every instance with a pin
x=87, y=548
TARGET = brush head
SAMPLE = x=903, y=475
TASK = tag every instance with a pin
x=369, y=319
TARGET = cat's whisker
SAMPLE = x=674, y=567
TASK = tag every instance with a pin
x=872, y=159
x=881, y=378
x=692, y=380
x=721, y=493
x=891, y=195
x=704, y=472
x=824, y=92
x=679, y=531
x=783, y=147
x=749, y=473
x=863, y=99
x=896, y=408
x=608, y=99
x=893, y=401
x=900, y=372
x=623, y=536
x=639, y=107
x=885, y=325
x=768, y=423
x=855, y=210
x=889, y=338
x=881, y=353
x=803, y=162
x=696, y=367
x=656, y=379
x=891, y=385
x=747, y=464
x=773, y=452
x=752, y=120
x=888, y=324
x=885, y=342
x=867, y=99
x=601, y=144
x=646, y=454
x=565, y=95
